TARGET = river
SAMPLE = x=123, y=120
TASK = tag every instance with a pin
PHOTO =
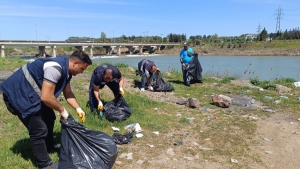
x=242, y=67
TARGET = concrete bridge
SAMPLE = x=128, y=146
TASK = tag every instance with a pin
x=110, y=47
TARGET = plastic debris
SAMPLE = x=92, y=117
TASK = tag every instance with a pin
x=297, y=84
x=234, y=160
x=134, y=127
x=277, y=101
x=139, y=135
x=284, y=97
x=261, y=89
x=269, y=110
x=115, y=129
x=156, y=132
x=150, y=145
x=252, y=101
x=178, y=143
x=269, y=152
x=267, y=139
x=268, y=97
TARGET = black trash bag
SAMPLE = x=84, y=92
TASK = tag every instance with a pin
x=122, y=139
x=117, y=109
x=159, y=83
x=84, y=148
x=195, y=69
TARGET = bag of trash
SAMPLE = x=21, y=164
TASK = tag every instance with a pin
x=85, y=148
x=122, y=139
x=195, y=69
x=160, y=84
x=117, y=109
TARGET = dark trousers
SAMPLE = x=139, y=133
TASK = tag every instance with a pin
x=40, y=128
x=185, y=75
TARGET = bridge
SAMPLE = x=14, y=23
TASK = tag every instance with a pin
x=109, y=47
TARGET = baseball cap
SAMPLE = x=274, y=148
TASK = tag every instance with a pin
x=185, y=44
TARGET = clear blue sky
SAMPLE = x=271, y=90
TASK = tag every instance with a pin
x=59, y=19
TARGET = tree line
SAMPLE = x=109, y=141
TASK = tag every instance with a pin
x=292, y=34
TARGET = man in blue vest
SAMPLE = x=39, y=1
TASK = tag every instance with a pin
x=104, y=75
x=185, y=58
x=31, y=94
x=146, y=68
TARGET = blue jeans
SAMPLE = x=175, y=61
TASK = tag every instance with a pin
x=143, y=81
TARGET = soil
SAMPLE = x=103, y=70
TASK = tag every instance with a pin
x=277, y=139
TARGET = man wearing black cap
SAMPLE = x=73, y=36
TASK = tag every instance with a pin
x=185, y=58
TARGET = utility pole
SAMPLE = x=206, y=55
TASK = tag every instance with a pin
x=278, y=19
x=36, y=33
x=145, y=33
x=68, y=33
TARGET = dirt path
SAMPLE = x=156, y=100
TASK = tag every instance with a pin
x=277, y=142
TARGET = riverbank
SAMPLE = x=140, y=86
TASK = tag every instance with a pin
x=274, y=48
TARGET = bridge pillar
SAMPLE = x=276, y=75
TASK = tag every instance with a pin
x=141, y=50
x=130, y=49
x=54, y=51
x=91, y=51
x=158, y=47
x=2, y=51
x=118, y=50
x=42, y=51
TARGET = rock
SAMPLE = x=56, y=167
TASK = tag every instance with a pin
x=167, y=73
x=282, y=89
x=181, y=101
x=193, y=103
x=221, y=101
x=130, y=69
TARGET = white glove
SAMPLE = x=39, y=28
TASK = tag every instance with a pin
x=150, y=88
x=122, y=91
x=100, y=105
x=64, y=114
x=81, y=114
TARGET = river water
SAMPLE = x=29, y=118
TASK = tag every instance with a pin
x=242, y=67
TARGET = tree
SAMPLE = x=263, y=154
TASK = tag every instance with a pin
x=103, y=36
x=263, y=35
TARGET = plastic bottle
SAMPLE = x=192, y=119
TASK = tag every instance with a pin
x=252, y=101
x=100, y=114
x=277, y=101
x=268, y=97
x=284, y=97
x=269, y=110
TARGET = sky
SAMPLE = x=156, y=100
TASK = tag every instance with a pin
x=60, y=19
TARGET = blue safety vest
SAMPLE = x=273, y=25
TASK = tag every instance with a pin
x=23, y=87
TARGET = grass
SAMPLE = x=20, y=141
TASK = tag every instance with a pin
x=225, y=131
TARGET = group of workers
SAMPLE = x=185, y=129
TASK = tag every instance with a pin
x=31, y=94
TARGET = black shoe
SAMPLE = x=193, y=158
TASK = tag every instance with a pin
x=187, y=84
x=51, y=166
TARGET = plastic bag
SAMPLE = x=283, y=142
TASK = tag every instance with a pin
x=85, y=148
x=117, y=109
x=122, y=139
x=160, y=84
x=195, y=68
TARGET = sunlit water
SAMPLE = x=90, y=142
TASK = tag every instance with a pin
x=243, y=67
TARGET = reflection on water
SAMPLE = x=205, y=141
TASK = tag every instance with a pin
x=244, y=67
